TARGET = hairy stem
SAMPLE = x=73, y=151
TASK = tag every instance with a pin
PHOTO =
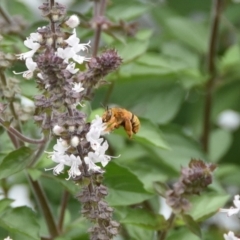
x=211, y=68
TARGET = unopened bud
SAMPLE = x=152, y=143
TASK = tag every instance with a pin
x=73, y=21
x=57, y=130
x=55, y=17
x=49, y=41
x=75, y=141
x=71, y=128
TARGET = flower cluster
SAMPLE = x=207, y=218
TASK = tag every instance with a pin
x=68, y=49
x=96, y=154
x=194, y=179
x=54, y=57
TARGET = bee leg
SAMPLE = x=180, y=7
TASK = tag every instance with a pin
x=128, y=128
x=111, y=125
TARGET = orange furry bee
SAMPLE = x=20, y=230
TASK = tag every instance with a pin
x=116, y=117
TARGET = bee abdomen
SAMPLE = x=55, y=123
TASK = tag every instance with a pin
x=135, y=123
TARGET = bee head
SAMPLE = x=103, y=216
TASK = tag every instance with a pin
x=107, y=115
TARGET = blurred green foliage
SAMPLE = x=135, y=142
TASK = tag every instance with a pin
x=162, y=80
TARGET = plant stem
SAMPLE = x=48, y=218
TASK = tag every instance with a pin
x=211, y=69
x=43, y=203
x=99, y=10
x=20, y=136
x=163, y=234
x=63, y=208
x=5, y=16
x=39, y=153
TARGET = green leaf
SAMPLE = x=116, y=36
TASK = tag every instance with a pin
x=119, y=11
x=145, y=219
x=231, y=58
x=150, y=133
x=182, y=234
x=189, y=32
x=160, y=188
x=161, y=106
x=15, y=162
x=183, y=148
x=192, y=225
x=136, y=69
x=139, y=233
x=132, y=50
x=34, y=173
x=124, y=187
x=207, y=205
x=19, y=8
x=4, y=203
x=220, y=141
x=22, y=221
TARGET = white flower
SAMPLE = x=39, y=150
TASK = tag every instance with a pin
x=77, y=87
x=73, y=49
x=231, y=211
x=71, y=68
x=74, y=162
x=59, y=156
x=73, y=21
x=229, y=120
x=230, y=236
x=31, y=66
x=33, y=43
x=65, y=53
x=8, y=238
x=98, y=145
x=90, y=160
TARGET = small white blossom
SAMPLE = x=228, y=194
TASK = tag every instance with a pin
x=33, y=43
x=71, y=68
x=232, y=210
x=78, y=87
x=74, y=162
x=229, y=120
x=31, y=66
x=59, y=156
x=8, y=238
x=73, y=49
x=65, y=53
x=73, y=21
x=230, y=236
x=98, y=145
x=90, y=160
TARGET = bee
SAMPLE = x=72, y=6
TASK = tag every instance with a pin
x=116, y=117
